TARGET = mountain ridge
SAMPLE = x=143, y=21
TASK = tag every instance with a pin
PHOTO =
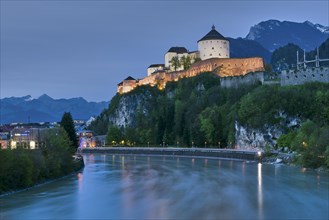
x=46, y=109
x=272, y=34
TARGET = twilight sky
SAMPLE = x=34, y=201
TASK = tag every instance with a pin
x=84, y=48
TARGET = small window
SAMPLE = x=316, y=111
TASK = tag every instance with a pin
x=213, y=48
x=321, y=75
x=219, y=54
x=313, y=75
x=210, y=54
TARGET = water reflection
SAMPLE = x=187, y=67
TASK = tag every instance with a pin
x=260, y=191
x=146, y=187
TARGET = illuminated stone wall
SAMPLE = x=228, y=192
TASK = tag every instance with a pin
x=220, y=66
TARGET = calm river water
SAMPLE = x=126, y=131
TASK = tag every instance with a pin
x=148, y=187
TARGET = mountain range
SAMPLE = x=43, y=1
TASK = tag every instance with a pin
x=273, y=34
x=46, y=109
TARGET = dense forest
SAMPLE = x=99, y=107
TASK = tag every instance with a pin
x=21, y=168
x=198, y=111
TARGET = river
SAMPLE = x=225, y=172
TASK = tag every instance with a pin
x=148, y=187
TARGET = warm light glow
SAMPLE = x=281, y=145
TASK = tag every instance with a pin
x=259, y=153
x=32, y=144
x=13, y=144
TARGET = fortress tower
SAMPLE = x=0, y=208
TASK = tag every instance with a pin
x=213, y=45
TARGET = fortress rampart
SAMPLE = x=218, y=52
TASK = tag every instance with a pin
x=301, y=76
x=223, y=67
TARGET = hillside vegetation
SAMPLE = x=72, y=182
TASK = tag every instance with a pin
x=198, y=111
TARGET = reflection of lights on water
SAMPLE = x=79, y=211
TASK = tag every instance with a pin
x=260, y=191
x=80, y=181
x=205, y=162
x=244, y=168
x=193, y=161
x=318, y=179
x=219, y=163
x=303, y=169
x=122, y=162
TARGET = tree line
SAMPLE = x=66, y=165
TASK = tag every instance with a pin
x=21, y=168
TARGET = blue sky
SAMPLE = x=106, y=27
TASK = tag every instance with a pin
x=84, y=48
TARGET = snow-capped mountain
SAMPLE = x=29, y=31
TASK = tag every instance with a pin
x=273, y=34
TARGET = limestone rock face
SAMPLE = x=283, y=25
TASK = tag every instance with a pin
x=128, y=107
x=255, y=139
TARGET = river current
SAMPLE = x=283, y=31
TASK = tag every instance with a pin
x=149, y=187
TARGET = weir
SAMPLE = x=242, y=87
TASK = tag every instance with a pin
x=197, y=152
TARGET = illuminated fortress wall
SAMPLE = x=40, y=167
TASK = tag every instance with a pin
x=220, y=66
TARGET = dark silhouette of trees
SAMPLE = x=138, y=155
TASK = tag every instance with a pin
x=68, y=125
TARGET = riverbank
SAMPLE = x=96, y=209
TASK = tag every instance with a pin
x=78, y=167
x=198, y=152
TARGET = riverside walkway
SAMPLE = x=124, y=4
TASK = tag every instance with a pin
x=168, y=151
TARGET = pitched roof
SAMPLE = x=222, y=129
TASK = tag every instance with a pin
x=177, y=50
x=156, y=65
x=129, y=78
x=213, y=35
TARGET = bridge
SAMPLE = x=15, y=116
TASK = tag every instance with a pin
x=191, y=152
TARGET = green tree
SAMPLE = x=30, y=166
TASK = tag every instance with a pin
x=211, y=125
x=185, y=62
x=311, y=142
x=175, y=62
x=68, y=125
x=114, y=136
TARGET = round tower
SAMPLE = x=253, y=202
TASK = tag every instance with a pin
x=213, y=45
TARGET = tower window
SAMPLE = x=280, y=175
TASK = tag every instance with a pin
x=210, y=54
x=213, y=48
x=219, y=54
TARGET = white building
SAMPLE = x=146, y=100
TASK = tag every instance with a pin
x=175, y=52
x=154, y=68
x=213, y=45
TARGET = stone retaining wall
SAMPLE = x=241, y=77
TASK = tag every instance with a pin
x=197, y=152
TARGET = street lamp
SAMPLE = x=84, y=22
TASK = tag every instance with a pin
x=205, y=144
x=218, y=144
x=192, y=144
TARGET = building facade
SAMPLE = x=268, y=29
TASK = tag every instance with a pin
x=213, y=45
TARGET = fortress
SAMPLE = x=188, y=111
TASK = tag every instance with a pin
x=213, y=55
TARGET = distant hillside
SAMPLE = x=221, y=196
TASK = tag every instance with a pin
x=243, y=48
x=273, y=34
x=285, y=57
x=46, y=109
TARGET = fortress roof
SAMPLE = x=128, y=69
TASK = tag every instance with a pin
x=177, y=50
x=129, y=78
x=156, y=65
x=213, y=35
